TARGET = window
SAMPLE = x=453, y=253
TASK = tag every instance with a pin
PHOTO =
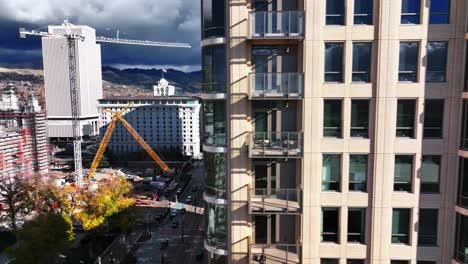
x=363, y=12
x=329, y=261
x=331, y=172
x=362, y=54
x=433, y=118
x=410, y=11
x=439, y=12
x=355, y=261
x=403, y=173
x=405, y=118
x=330, y=219
x=360, y=118
x=464, y=124
x=430, y=174
x=400, y=226
x=334, y=62
x=357, y=225
x=463, y=183
x=332, y=118
x=335, y=12
x=399, y=262
x=436, y=61
x=358, y=172
x=408, y=64
x=428, y=223
x=461, y=239
x=425, y=262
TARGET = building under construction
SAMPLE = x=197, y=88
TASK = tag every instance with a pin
x=23, y=138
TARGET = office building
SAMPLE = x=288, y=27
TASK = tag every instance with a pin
x=332, y=131
x=167, y=122
x=57, y=82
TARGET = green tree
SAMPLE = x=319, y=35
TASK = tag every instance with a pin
x=15, y=200
x=42, y=239
x=89, y=156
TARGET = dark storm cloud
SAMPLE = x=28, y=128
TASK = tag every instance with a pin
x=161, y=20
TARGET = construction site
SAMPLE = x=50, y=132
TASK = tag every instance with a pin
x=70, y=139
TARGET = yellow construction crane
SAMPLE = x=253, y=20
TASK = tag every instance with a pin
x=108, y=134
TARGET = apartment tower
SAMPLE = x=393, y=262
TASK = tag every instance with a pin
x=332, y=131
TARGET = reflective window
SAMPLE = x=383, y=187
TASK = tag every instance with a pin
x=330, y=219
x=216, y=225
x=334, y=62
x=428, y=226
x=355, y=261
x=331, y=172
x=403, y=174
x=433, y=118
x=400, y=226
x=214, y=258
x=215, y=174
x=464, y=125
x=215, y=122
x=405, y=118
x=410, y=11
x=357, y=225
x=335, y=12
x=360, y=118
x=408, y=64
x=362, y=54
x=213, y=22
x=363, y=12
x=329, y=261
x=399, y=262
x=436, y=69
x=461, y=239
x=439, y=12
x=430, y=173
x=332, y=118
x=214, y=69
x=358, y=172
x=463, y=183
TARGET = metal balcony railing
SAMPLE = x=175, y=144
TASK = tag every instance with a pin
x=277, y=24
x=275, y=201
x=275, y=144
x=277, y=253
x=287, y=85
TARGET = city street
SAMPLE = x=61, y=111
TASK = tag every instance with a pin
x=190, y=224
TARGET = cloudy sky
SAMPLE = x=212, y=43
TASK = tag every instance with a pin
x=160, y=20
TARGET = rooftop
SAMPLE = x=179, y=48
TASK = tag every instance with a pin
x=149, y=98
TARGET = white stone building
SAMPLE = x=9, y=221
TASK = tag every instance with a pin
x=166, y=123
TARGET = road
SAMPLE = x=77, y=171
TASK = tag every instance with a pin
x=180, y=250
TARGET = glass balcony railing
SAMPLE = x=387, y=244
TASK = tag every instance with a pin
x=276, y=144
x=276, y=253
x=215, y=139
x=287, y=85
x=275, y=201
x=277, y=24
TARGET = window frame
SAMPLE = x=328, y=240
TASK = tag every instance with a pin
x=422, y=174
x=407, y=236
x=417, y=14
x=336, y=234
x=418, y=63
x=364, y=15
x=440, y=13
x=343, y=16
x=441, y=128
x=337, y=130
x=446, y=42
x=413, y=128
x=409, y=184
x=355, y=135
x=333, y=73
x=369, y=72
x=363, y=220
x=435, y=236
x=330, y=182
x=364, y=183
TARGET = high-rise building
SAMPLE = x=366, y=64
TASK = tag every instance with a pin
x=332, y=131
x=57, y=81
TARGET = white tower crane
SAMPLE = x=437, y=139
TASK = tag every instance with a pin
x=72, y=39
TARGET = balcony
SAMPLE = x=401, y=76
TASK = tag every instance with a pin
x=275, y=253
x=275, y=201
x=277, y=24
x=288, y=85
x=275, y=144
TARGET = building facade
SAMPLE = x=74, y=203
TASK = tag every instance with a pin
x=57, y=82
x=23, y=139
x=331, y=131
x=167, y=123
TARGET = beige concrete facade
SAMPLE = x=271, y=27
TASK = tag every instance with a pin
x=382, y=145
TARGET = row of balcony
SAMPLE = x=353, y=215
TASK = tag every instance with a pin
x=269, y=86
x=276, y=24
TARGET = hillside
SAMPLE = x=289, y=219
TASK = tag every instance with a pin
x=117, y=82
